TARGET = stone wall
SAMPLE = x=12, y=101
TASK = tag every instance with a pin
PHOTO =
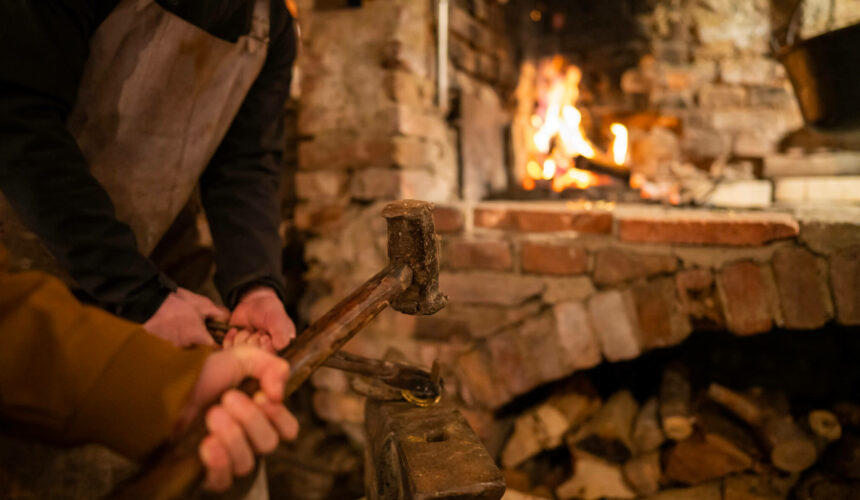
x=541, y=290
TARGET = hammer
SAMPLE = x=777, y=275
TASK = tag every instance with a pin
x=410, y=284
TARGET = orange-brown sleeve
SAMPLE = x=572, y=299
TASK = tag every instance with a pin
x=79, y=374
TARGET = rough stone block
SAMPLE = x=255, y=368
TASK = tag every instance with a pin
x=801, y=283
x=475, y=373
x=391, y=184
x=719, y=95
x=750, y=71
x=341, y=151
x=699, y=298
x=543, y=349
x=662, y=321
x=476, y=321
x=747, y=298
x=836, y=189
x=614, y=266
x=572, y=289
x=482, y=147
x=448, y=219
x=339, y=407
x=826, y=237
x=490, y=288
x=514, y=364
x=613, y=318
x=550, y=258
x=520, y=217
x=707, y=228
x=741, y=194
x=845, y=280
x=478, y=254
x=577, y=341
x=772, y=97
x=321, y=185
x=319, y=217
x=826, y=164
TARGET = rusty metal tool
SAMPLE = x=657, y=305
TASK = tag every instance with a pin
x=409, y=284
x=426, y=454
x=414, y=384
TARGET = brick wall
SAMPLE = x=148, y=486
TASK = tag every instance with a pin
x=539, y=291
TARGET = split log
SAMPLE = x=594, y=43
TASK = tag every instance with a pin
x=758, y=487
x=791, y=449
x=647, y=432
x=719, y=446
x=594, y=478
x=643, y=473
x=826, y=424
x=711, y=491
x=704, y=457
x=608, y=433
x=675, y=394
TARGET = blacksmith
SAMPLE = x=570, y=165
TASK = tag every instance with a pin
x=113, y=111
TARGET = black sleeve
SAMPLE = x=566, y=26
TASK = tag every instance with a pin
x=240, y=188
x=43, y=174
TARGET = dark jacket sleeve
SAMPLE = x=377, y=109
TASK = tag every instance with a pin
x=43, y=174
x=76, y=374
x=240, y=188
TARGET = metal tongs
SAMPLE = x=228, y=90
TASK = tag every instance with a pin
x=389, y=378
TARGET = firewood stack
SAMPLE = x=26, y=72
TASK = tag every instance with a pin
x=715, y=443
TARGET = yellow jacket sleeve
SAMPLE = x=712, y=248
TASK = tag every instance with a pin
x=79, y=374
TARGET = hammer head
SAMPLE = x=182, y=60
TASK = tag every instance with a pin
x=412, y=241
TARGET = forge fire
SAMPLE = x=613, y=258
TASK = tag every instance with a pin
x=554, y=134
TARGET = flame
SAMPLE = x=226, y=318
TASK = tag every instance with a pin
x=619, y=144
x=558, y=133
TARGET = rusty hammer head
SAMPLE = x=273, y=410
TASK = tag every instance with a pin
x=412, y=241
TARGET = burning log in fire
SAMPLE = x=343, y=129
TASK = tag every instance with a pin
x=552, y=133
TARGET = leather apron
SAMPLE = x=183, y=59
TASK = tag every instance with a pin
x=157, y=97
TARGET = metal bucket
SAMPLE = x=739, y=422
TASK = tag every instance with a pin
x=825, y=74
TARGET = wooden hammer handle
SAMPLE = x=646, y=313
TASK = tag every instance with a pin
x=176, y=471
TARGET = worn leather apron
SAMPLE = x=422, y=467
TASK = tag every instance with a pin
x=157, y=96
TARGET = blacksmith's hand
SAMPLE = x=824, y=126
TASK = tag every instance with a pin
x=261, y=311
x=237, y=337
x=239, y=427
x=181, y=319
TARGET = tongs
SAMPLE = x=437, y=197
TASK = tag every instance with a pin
x=415, y=385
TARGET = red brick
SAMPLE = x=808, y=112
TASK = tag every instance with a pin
x=478, y=254
x=475, y=374
x=548, y=220
x=490, y=288
x=708, y=228
x=699, y=298
x=802, y=288
x=662, y=322
x=614, y=321
x=845, y=279
x=613, y=266
x=447, y=219
x=745, y=294
x=548, y=258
